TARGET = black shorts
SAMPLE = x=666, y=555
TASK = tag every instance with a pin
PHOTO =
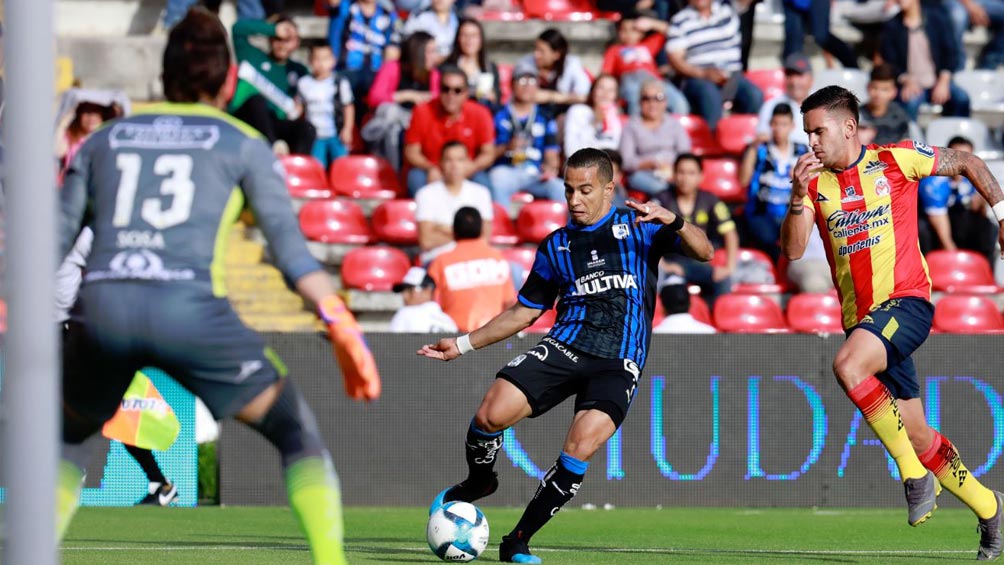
x=902, y=324
x=194, y=337
x=550, y=372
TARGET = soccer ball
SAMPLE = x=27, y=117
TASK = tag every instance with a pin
x=457, y=532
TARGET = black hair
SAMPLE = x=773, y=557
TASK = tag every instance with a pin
x=833, y=98
x=689, y=157
x=450, y=145
x=590, y=157
x=782, y=109
x=467, y=224
x=959, y=140
x=556, y=41
x=454, y=57
x=675, y=299
x=196, y=59
x=413, y=63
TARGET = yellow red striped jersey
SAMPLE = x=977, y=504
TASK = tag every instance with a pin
x=867, y=215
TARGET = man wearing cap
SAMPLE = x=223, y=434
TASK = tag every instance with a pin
x=420, y=313
x=526, y=146
x=797, y=84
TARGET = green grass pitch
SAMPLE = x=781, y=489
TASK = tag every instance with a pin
x=249, y=536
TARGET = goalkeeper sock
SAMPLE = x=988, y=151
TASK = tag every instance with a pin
x=316, y=499
x=69, y=482
x=481, y=450
x=557, y=487
x=943, y=460
x=879, y=408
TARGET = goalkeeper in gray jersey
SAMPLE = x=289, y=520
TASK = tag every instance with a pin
x=160, y=190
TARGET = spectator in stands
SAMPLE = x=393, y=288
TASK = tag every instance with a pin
x=597, y=123
x=526, y=146
x=797, y=85
x=707, y=212
x=364, y=34
x=766, y=169
x=246, y=10
x=420, y=313
x=814, y=15
x=474, y=279
x=704, y=49
x=450, y=116
x=923, y=55
x=888, y=119
x=438, y=19
x=651, y=142
x=437, y=203
x=398, y=87
x=264, y=97
x=469, y=55
x=675, y=300
x=956, y=214
x=983, y=13
x=561, y=78
x=327, y=98
x=84, y=111
x=631, y=60
x=811, y=272
x=620, y=193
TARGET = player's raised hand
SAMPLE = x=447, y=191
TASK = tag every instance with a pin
x=802, y=174
x=651, y=212
x=445, y=350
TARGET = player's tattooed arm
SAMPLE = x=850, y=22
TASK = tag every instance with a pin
x=952, y=162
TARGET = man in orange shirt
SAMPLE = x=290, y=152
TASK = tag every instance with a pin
x=473, y=279
x=863, y=199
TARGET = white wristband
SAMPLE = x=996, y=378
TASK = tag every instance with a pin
x=464, y=344
x=998, y=210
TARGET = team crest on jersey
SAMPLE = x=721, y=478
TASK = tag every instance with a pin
x=882, y=186
x=923, y=148
x=851, y=195
x=621, y=231
x=595, y=260
x=874, y=167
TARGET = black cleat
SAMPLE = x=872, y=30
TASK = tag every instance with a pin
x=465, y=492
x=515, y=550
x=163, y=496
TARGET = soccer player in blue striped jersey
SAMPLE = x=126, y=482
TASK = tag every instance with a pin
x=602, y=269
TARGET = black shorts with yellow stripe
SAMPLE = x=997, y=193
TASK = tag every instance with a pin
x=902, y=324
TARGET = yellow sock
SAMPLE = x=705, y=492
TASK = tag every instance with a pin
x=316, y=499
x=879, y=409
x=943, y=460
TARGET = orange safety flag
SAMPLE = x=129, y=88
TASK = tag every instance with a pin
x=143, y=419
x=359, y=370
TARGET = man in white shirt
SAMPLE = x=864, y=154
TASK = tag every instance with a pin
x=437, y=203
x=676, y=302
x=420, y=313
x=797, y=85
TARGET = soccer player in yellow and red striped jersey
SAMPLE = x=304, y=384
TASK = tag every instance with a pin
x=863, y=200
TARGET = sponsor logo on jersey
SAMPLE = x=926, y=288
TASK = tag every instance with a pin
x=143, y=265
x=539, y=351
x=875, y=167
x=882, y=186
x=851, y=195
x=852, y=248
x=621, y=231
x=844, y=224
x=517, y=360
x=165, y=132
x=561, y=347
x=923, y=148
x=598, y=282
x=632, y=367
x=476, y=273
x=595, y=260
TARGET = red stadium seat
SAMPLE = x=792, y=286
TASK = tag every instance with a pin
x=735, y=132
x=561, y=10
x=543, y=323
x=522, y=256
x=374, y=268
x=505, y=81
x=749, y=313
x=503, y=232
x=365, y=176
x=748, y=255
x=539, y=218
x=394, y=222
x=769, y=81
x=966, y=314
x=334, y=221
x=702, y=141
x=699, y=309
x=638, y=196
x=305, y=177
x=960, y=271
x=815, y=313
x=721, y=178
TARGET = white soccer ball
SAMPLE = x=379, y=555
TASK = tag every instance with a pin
x=457, y=532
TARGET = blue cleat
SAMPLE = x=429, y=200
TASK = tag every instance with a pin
x=465, y=492
x=515, y=550
x=439, y=501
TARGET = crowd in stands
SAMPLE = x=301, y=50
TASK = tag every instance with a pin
x=414, y=83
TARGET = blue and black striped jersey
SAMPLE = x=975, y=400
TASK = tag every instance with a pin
x=603, y=276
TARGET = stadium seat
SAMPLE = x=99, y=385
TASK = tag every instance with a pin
x=769, y=81
x=334, y=221
x=561, y=10
x=701, y=139
x=505, y=81
x=699, y=309
x=523, y=258
x=815, y=313
x=854, y=80
x=638, y=196
x=965, y=314
x=985, y=89
x=960, y=271
x=394, y=222
x=755, y=256
x=374, y=268
x=735, y=132
x=543, y=323
x=941, y=130
x=305, y=177
x=539, y=218
x=721, y=178
x=365, y=176
x=748, y=313
x=503, y=232
x=513, y=14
